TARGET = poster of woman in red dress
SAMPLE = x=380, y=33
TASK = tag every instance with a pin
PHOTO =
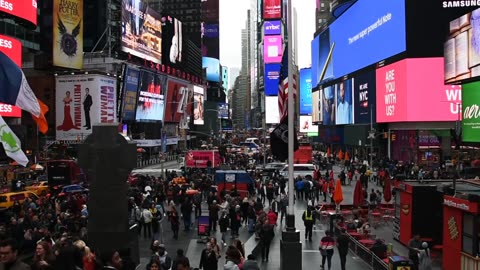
x=67, y=116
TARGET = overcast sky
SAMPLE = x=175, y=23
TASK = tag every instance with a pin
x=232, y=20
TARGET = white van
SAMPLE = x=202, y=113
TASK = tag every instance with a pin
x=253, y=140
x=299, y=169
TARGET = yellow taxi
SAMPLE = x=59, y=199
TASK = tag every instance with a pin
x=40, y=188
x=7, y=199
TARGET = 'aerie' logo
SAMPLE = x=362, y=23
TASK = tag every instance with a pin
x=471, y=112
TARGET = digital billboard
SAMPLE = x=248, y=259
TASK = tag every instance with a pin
x=272, y=9
x=306, y=125
x=68, y=34
x=413, y=90
x=213, y=68
x=272, y=75
x=13, y=49
x=151, y=97
x=23, y=9
x=178, y=98
x=343, y=102
x=462, y=48
x=210, y=11
x=272, y=114
x=361, y=37
x=364, y=98
x=198, y=99
x=83, y=101
x=130, y=90
x=471, y=112
x=272, y=28
x=222, y=110
x=211, y=40
x=328, y=107
x=272, y=49
x=315, y=49
x=306, y=91
x=317, y=106
x=211, y=30
x=172, y=41
x=141, y=31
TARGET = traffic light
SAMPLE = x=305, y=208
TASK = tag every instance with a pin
x=394, y=137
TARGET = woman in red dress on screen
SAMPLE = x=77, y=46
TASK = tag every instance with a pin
x=67, y=117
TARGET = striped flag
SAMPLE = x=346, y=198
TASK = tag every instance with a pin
x=283, y=86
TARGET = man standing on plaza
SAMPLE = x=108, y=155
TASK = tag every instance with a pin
x=307, y=218
x=342, y=245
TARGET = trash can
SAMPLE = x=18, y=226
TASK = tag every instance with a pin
x=399, y=263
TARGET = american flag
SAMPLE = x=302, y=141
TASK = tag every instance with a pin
x=283, y=86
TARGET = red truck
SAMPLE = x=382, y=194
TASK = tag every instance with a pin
x=201, y=159
x=304, y=154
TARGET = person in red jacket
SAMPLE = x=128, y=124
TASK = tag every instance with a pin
x=272, y=217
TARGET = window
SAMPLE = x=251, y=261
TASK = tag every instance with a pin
x=17, y=197
x=468, y=233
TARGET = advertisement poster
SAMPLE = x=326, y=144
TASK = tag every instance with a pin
x=141, y=31
x=364, y=98
x=222, y=109
x=68, y=33
x=83, y=101
x=315, y=49
x=272, y=28
x=306, y=125
x=343, y=102
x=305, y=91
x=317, y=106
x=172, y=42
x=471, y=112
x=392, y=92
x=272, y=75
x=13, y=49
x=198, y=93
x=272, y=9
x=151, y=97
x=177, y=100
x=130, y=90
x=272, y=114
x=213, y=68
x=328, y=115
x=211, y=30
x=272, y=49
x=23, y=9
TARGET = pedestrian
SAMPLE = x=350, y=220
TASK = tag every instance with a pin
x=342, y=246
x=272, y=217
x=154, y=264
x=326, y=249
x=147, y=223
x=181, y=258
x=163, y=257
x=250, y=263
x=283, y=206
x=307, y=218
x=112, y=260
x=43, y=258
x=266, y=237
x=213, y=215
x=232, y=259
x=208, y=259
x=224, y=223
x=174, y=221
x=414, y=246
x=424, y=258
x=9, y=259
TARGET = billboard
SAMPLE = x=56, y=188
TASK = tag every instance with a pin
x=471, y=112
x=272, y=9
x=213, y=68
x=130, y=90
x=272, y=75
x=198, y=93
x=317, y=106
x=462, y=49
x=141, y=30
x=172, y=41
x=315, y=50
x=343, y=102
x=210, y=11
x=272, y=114
x=23, y=9
x=364, y=98
x=306, y=125
x=328, y=107
x=13, y=49
x=178, y=98
x=413, y=90
x=222, y=109
x=306, y=91
x=83, y=101
x=361, y=37
x=272, y=49
x=211, y=40
x=272, y=28
x=211, y=30
x=68, y=34
x=151, y=97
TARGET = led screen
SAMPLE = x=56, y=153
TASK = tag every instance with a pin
x=272, y=74
x=272, y=49
x=213, y=68
x=272, y=115
x=305, y=91
x=343, y=102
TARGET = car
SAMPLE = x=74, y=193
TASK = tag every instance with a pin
x=39, y=188
x=250, y=145
x=299, y=170
x=71, y=189
x=7, y=199
x=274, y=166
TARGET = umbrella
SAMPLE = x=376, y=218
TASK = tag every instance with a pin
x=338, y=193
x=36, y=167
x=387, y=190
x=140, y=150
x=340, y=154
x=358, y=194
x=347, y=156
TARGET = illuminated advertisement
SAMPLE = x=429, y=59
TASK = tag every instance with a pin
x=272, y=28
x=177, y=101
x=222, y=110
x=198, y=100
x=413, y=90
x=364, y=98
x=172, y=41
x=151, y=97
x=68, y=33
x=26, y=9
x=272, y=49
x=361, y=37
x=213, y=68
x=462, y=49
x=83, y=101
x=328, y=107
x=471, y=112
x=210, y=11
x=272, y=114
x=317, y=106
x=343, y=102
x=306, y=125
x=272, y=75
x=211, y=30
x=141, y=30
x=13, y=49
x=130, y=90
x=305, y=91
x=272, y=9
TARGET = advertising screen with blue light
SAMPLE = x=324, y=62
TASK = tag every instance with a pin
x=315, y=61
x=305, y=91
x=272, y=74
x=213, y=68
x=362, y=36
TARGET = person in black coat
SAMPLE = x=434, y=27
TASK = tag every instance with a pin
x=266, y=237
x=208, y=259
x=87, y=104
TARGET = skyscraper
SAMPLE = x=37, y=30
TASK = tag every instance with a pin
x=322, y=12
